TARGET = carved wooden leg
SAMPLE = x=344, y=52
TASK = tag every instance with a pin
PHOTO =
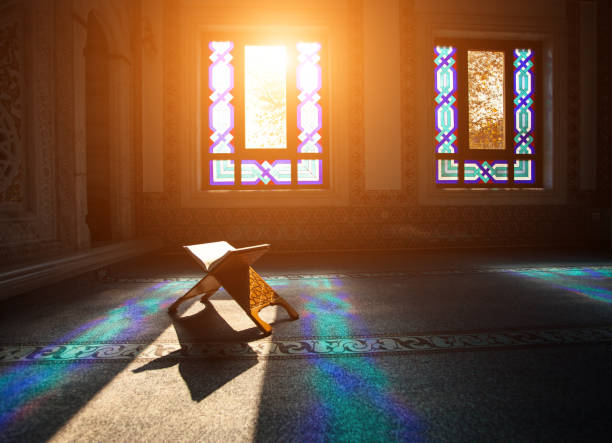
x=278, y=300
x=252, y=293
x=282, y=302
x=262, y=295
x=265, y=327
x=208, y=285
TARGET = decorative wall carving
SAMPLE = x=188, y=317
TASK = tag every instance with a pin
x=29, y=227
x=12, y=176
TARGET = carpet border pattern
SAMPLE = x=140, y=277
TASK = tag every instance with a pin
x=304, y=348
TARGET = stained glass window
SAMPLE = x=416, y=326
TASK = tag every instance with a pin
x=485, y=114
x=524, y=118
x=265, y=120
x=446, y=111
x=221, y=111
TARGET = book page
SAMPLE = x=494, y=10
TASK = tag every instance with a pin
x=207, y=254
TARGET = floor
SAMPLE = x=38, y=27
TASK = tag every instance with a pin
x=440, y=346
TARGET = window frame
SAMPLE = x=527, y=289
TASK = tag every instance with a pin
x=241, y=39
x=463, y=152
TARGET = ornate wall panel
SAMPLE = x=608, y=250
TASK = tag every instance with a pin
x=573, y=105
x=604, y=178
x=27, y=192
x=373, y=219
x=12, y=155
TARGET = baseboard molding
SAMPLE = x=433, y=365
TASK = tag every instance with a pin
x=51, y=270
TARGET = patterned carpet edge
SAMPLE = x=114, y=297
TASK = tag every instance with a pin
x=302, y=348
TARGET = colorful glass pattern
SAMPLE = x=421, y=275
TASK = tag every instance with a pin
x=494, y=172
x=446, y=111
x=310, y=172
x=447, y=171
x=221, y=172
x=221, y=111
x=277, y=172
x=523, y=101
x=309, y=113
x=523, y=171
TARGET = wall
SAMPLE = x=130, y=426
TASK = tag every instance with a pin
x=43, y=136
x=27, y=172
x=381, y=95
x=386, y=210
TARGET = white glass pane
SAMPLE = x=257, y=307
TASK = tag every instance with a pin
x=265, y=87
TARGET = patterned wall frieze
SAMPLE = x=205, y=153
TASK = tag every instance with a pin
x=384, y=227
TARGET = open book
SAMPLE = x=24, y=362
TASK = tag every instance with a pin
x=209, y=255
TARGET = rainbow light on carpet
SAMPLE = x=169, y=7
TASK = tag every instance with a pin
x=27, y=386
x=354, y=396
x=579, y=280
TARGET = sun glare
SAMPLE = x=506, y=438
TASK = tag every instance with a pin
x=265, y=97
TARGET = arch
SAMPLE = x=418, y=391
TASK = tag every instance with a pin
x=108, y=21
x=112, y=18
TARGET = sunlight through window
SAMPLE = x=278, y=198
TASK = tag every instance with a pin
x=486, y=99
x=265, y=72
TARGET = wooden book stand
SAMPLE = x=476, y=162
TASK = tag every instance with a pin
x=231, y=268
